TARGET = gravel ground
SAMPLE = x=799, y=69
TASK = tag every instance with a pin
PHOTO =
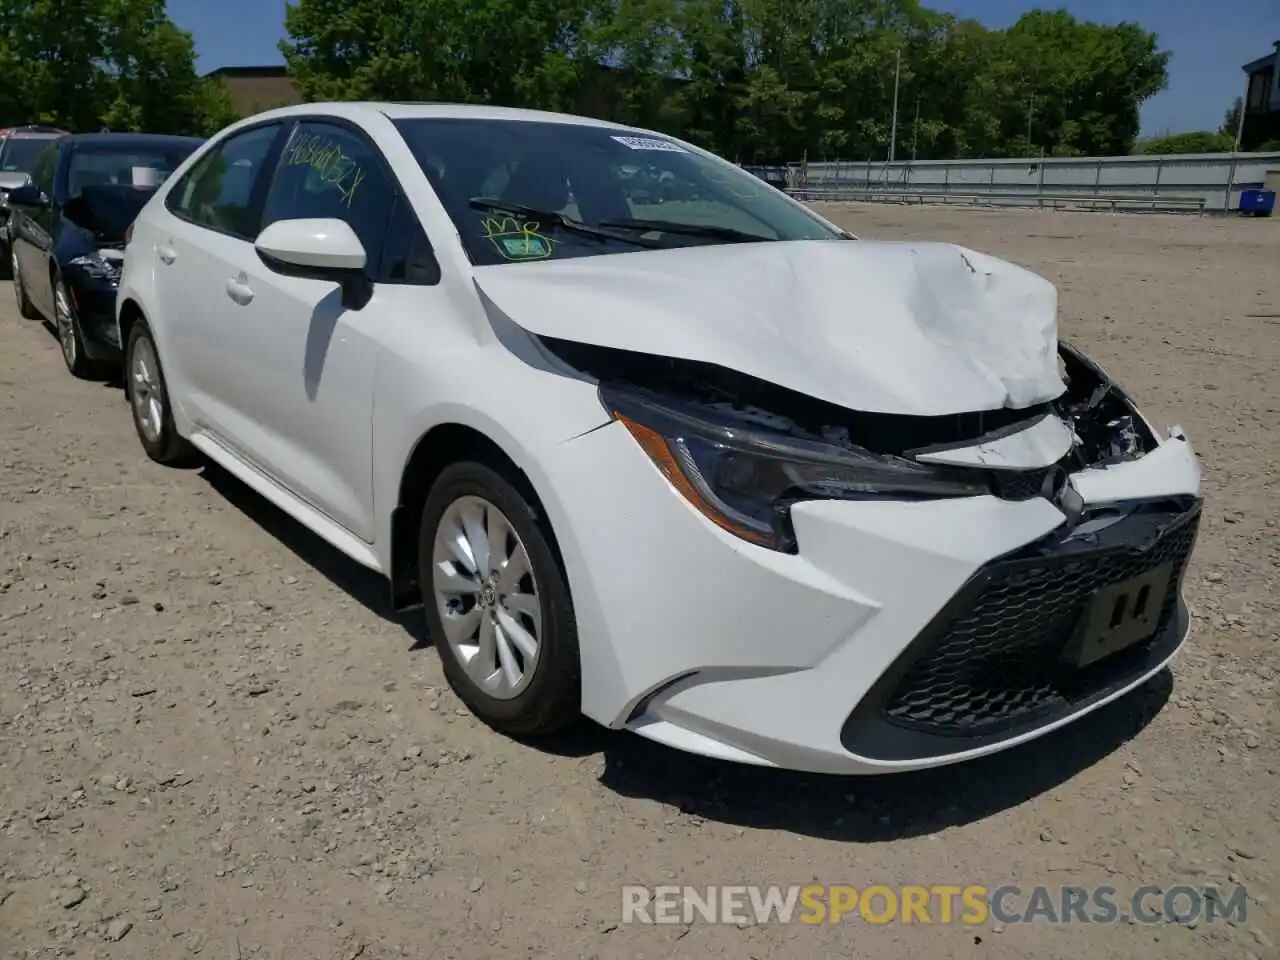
x=216, y=741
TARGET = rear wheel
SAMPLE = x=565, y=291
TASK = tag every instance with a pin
x=148, y=396
x=25, y=306
x=497, y=603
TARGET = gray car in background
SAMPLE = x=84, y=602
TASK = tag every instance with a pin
x=19, y=147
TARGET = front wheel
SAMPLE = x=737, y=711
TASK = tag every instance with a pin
x=148, y=396
x=497, y=603
x=70, y=339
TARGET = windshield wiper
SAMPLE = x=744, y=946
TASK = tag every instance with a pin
x=542, y=217
x=728, y=234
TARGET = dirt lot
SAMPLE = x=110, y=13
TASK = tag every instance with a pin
x=216, y=741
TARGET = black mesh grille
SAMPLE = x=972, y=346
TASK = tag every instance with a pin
x=997, y=662
x=1020, y=484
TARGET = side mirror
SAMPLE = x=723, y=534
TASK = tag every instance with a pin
x=28, y=195
x=319, y=249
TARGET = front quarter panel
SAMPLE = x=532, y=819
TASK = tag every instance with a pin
x=443, y=363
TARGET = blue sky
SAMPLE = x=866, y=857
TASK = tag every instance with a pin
x=1209, y=39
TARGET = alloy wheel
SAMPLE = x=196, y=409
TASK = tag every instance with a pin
x=66, y=325
x=17, y=278
x=487, y=597
x=145, y=390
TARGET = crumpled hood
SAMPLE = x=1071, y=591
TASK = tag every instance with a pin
x=911, y=328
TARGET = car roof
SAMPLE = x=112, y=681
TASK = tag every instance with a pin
x=444, y=111
x=131, y=139
x=32, y=133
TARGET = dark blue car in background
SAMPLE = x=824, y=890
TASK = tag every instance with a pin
x=67, y=234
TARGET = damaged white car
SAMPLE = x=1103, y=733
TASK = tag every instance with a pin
x=711, y=469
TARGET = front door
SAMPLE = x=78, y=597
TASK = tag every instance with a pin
x=299, y=366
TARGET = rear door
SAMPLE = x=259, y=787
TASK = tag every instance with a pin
x=32, y=240
x=201, y=245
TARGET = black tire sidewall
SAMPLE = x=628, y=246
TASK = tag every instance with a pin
x=553, y=699
x=166, y=447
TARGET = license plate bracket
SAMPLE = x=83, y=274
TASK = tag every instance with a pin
x=1119, y=616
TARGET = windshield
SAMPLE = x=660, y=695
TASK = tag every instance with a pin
x=128, y=166
x=106, y=210
x=535, y=190
x=19, y=153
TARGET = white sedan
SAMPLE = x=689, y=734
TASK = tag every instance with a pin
x=714, y=471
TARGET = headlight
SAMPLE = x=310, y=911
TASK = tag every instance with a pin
x=97, y=267
x=744, y=478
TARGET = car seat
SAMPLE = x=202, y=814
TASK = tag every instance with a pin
x=540, y=181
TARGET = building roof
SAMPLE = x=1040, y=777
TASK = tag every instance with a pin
x=1263, y=62
x=272, y=70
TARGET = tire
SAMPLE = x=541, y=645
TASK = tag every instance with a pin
x=70, y=337
x=25, y=306
x=148, y=397
x=548, y=696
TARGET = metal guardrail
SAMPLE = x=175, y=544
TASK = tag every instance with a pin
x=1219, y=179
x=1165, y=204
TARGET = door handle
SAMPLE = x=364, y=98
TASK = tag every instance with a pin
x=166, y=254
x=239, y=291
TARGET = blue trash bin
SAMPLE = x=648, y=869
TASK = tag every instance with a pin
x=1260, y=203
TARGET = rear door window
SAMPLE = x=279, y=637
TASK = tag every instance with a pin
x=219, y=191
x=43, y=169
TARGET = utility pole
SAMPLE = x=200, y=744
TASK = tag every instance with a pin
x=915, y=133
x=893, y=133
x=1031, y=106
x=1244, y=105
x=1235, y=147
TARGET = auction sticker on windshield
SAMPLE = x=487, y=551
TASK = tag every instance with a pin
x=515, y=240
x=650, y=143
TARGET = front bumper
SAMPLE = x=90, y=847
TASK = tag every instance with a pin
x=901, y=636
x=94, y=303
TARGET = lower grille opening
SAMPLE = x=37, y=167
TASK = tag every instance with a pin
x=992, y=663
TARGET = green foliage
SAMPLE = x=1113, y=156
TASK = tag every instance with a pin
x=757, y=80
x=499, y=51
x=1200, y=141
x=213, y=107
x=85, y=64
x=1231, y=121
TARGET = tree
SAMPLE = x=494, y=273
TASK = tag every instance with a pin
x=1200, y=141
x=499, y=51
x=85, y=64
x=1079, y=84
x=152, y=69
x=1231, y=122
x=758, y=80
